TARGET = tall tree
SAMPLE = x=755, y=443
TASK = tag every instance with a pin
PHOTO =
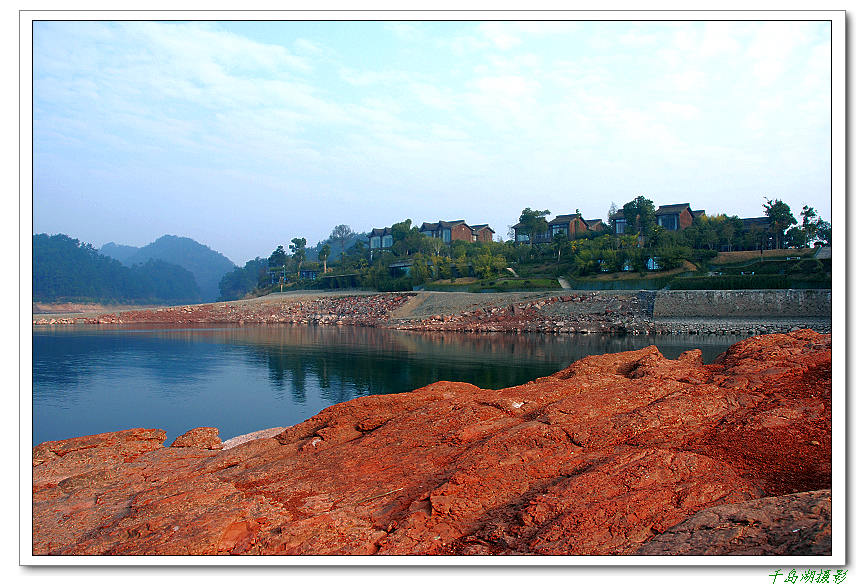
x=298, y=252
x=824, y=231
x=278, y=258
x=535, y=222
x=809, y=224
x=323, y=253
x=612, y=212
x=639, y=214
x=780, y=218
x=341, y=234
x=400, y=230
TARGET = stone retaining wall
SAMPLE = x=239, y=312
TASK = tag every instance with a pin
x=746, y=303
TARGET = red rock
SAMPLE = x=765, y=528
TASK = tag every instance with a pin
x=795, y=524
x=601, y=458
x=201, y=437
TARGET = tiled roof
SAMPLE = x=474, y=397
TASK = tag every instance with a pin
x=619, y=215
x=433, y=226
x=379, y=232
x=593, y=223
x=675, y=208
x=698, y=213
x=477, y=227
x=564, y=218
x=758, y=221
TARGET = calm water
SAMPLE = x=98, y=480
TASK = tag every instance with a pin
x=95, y=379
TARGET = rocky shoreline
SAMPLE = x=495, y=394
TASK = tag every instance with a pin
x=573, y=313
x=621, y=454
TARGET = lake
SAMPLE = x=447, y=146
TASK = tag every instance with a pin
x=94, y=379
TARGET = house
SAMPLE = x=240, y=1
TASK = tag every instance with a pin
x=277, y=274
x=595, y=225
x=677, y=216
x=618, y=222
x=699, y=214
x=567, y=224
x=380, y=239
x=309, y=273
x=449, y=231
x=482, y=233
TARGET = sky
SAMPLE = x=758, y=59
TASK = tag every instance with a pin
x=244, y=135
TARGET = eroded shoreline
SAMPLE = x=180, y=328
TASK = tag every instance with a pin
x=577, y=312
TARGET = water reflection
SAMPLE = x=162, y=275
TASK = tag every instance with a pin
x=94, y=379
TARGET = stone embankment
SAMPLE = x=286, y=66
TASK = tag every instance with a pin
x=625, y=453
x=319, y=309
x=587, y=312
x=741, y=312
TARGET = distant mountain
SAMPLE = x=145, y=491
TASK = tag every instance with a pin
x=65, y=269
x=119, y=252
x=207, y=266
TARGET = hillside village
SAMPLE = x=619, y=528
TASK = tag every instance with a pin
x=639, y=244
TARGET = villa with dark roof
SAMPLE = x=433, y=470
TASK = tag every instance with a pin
x=446, y=231
x=568, y=224
x=379, y=239
x=677, y=216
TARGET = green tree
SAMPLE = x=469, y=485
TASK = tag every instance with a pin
x=780, y=218
x=639, y=214
x=278, y=258
x=824, y=231
x=809, y=224
x=612, y=212
x=341, y=234
x=560, y=242
x=298, y=252
x=535, y=222
x=400, y=230
x=323, y=253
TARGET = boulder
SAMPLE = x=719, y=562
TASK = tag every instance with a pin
x=206, y=438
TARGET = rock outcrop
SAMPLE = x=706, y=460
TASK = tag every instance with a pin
x=625, y=453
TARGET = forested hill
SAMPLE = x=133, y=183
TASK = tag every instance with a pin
x=65, y=269
x=207, y=266
x=121, y=252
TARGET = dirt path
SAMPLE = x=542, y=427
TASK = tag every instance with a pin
x=429, y=303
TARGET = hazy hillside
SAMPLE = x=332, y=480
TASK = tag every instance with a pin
x=65, y=269
x=207, y=266
x=120, y=252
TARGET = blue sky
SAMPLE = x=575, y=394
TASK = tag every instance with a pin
x=246, y=135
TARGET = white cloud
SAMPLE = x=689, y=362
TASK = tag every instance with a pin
x=499, y=35
x=719, y=38
x=681, y=111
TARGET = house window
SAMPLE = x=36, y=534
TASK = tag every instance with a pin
x=522, y=237
x=446, y=235
x=427, y=233
x=620, y=226
x=559, y=229
x=375, y=242
x=669, y=222
x=387, y=241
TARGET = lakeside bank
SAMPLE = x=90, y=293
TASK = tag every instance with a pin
x=737, y=312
